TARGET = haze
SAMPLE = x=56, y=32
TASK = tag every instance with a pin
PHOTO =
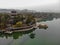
x=39, y=5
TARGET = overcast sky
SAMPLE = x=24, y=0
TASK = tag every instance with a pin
x=31, y=4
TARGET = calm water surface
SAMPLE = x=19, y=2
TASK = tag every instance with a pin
x=49, y=36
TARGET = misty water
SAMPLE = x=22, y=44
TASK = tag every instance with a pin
x=49, y=36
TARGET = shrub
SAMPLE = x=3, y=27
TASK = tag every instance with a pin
x=19, y=24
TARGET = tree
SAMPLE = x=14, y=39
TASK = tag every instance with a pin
x=30, y=19
x=19, y=24
x=4, y=20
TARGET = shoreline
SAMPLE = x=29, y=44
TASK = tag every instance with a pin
x=22, y=29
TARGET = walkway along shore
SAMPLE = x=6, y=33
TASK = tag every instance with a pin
x=21, y=29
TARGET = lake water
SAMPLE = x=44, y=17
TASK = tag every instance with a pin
x=49, y=36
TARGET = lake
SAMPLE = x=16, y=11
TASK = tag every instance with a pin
x=49, y=36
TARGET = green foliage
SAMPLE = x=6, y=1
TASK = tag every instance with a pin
x=30, y=19
x=4, y=20
x=19, y=24
x=24, y=19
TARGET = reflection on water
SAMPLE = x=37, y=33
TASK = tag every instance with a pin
x=32, y=35
x=16, y=35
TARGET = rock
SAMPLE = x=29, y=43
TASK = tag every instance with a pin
x=43, y=26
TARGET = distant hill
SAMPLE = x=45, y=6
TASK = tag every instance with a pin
x=9, y=10
x=5, y=10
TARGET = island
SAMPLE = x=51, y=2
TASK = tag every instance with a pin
x=14, y=22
